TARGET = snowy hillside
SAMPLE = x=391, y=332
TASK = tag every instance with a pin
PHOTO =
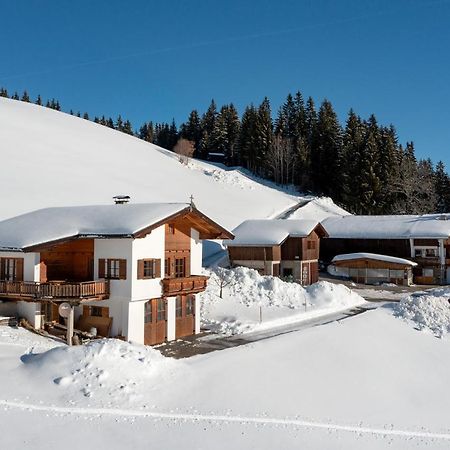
x=49, y=158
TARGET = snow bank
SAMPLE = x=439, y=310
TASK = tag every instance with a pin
x=107, y=368
x=428, y=311
x=252, y=301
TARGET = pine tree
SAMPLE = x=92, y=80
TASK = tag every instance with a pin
x=225, y=133
x=119, y=123
x=442, y=188
x=3, y=93
x=192, y=131
x=326, y=153
x=86, y=116
x=25, y=97
x=15, y=96
x=247, y=138
x=264, y=136
x=127, y=128
x=207, y=125
x=39, y=100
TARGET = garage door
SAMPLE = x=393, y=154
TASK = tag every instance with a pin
x=155, y=321
x=185, y=315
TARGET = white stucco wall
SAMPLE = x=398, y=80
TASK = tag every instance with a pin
x=31, y=269
x=171, y=318
x=196, y=253
x=120, y=290
x=152, y=246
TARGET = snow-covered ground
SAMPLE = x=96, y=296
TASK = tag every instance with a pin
x=252, y=302
x=372, y=381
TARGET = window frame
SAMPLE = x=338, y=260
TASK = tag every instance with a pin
x=161, y=312
x=148, y=312
x=180, y=273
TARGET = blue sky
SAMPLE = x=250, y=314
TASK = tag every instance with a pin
x=157, y=60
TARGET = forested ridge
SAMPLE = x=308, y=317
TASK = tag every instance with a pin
x=360, y=164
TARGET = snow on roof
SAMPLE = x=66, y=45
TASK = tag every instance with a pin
x=427, y=226
x=52, y=224
x=386, y=258
x=270, y=231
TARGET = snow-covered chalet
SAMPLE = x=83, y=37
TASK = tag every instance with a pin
x=284, y=248
x=126, y=270
x=423, y=239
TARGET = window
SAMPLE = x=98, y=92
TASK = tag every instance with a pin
x=161, y=313
x=179, y=306
x=171, y=228
x=148, y=318
x=11, y=269
x=96, y=311
x=311, y=245
x=167, y=267
x=427, y=272
x=149, y=268
x=113, y=269
x=180, y=267
x=418, y=252
x=190, y=305
x=430, y=252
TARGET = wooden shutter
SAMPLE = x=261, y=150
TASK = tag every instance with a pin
x=122, y=269
x=140, y=269
x=19, y=269
x=2, y=268
x=157, y=268
x=101, y=268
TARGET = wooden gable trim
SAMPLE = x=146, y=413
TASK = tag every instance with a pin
x=217, y=232
x=320, y=230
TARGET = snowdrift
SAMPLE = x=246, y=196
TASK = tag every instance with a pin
x=427, y=311
x=105, y=368
x=247, y=296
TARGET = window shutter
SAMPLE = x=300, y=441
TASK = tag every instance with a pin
x=140, y=269
x=101, y=268
x=2, y=268
x=157, y=268
x=122, y=269
x=19, y=269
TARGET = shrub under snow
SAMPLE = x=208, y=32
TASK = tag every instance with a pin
x=249, y=297
x=428, y=311
x=104, y=368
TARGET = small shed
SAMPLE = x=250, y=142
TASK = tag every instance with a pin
x=371, y=268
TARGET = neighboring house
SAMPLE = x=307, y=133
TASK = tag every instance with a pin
x=286, y=248
x=370, y=268
x=129, y=270
x=423, y=239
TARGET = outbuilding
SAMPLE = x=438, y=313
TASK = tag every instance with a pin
x=371, y=268
x=285, y=248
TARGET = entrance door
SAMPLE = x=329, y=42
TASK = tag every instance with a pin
x=185, y=315
x=155, y=321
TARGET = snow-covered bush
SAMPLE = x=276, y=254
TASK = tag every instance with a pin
x=251, y=300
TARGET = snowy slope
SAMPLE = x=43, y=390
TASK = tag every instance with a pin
x=369, y=382
x=49, y=158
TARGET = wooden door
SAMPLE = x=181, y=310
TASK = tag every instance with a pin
x=185, y=315
x=155, y=321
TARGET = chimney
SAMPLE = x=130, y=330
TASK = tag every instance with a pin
x=121, y=199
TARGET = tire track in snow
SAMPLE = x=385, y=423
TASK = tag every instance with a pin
x=227, y=419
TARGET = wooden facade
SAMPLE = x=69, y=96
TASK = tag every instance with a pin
x=432, y=266
x=374, y=271
x=295, y=257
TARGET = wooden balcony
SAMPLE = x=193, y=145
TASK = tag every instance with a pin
x=186, y=285
x=58, y=291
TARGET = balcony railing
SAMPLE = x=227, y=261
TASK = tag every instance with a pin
x=185, y=285
x=30, y=290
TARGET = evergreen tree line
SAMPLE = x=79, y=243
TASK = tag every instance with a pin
x=361, y=165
